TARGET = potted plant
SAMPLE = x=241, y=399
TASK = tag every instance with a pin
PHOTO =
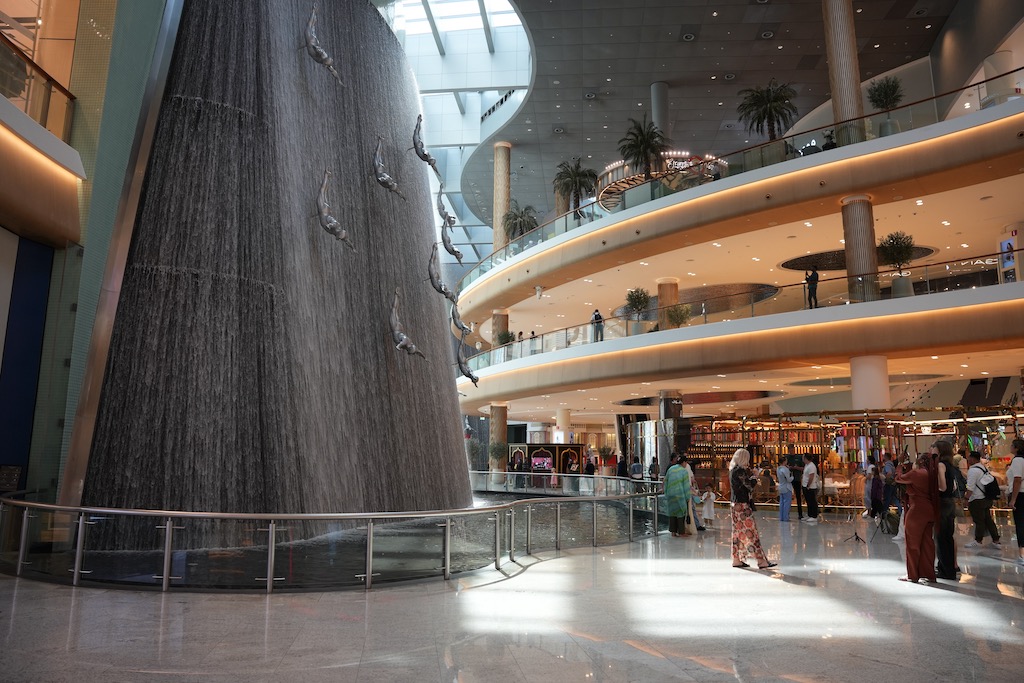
x=885, y=94
x=643, y=146
x=768, y=110
x=518, y=221
x=897, y=250
x=678, y=315
x=498, y=452
x=575, y=182
x=637, y=301
x=476, y=454
x=505, y=337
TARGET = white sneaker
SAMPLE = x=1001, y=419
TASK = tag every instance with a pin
x=996, y=546
x=972, y=544
x=864, y=514
x=1020, y=560
x=814, y=520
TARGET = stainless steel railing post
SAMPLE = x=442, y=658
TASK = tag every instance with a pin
x=595, y=523
x=165, y=579
x=630, y=520
x=23, y=544
x=512, y=535
x=368, y=579
x=79, y=550
x=657, y=529
x=558, y=526
x=271, y=550
x=529, y=529
x=447, y=548
x=497, y=539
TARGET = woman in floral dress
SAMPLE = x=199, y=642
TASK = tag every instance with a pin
x=746, y=542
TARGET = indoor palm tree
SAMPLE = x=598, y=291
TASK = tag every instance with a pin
x=519, y=221
x=769, y=108
x=575, y=182
x=643, y=145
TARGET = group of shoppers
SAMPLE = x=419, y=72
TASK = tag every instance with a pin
x=809, y=485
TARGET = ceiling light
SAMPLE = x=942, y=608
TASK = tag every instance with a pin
x=920, y=202
x=927, y=25
x=714, y=77
x=965, y=245
x=754, y=258
x=842, y=241
x=935, y=357
x=963, y=365
x=945, y=222
x=716, y=244
x=809, y=224
x=877, y=46
x=608, y=79
x=721, y=375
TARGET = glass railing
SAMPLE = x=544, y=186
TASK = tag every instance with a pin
x=879, y=124
x=194, y=550
x=32, y=90
x=968, y=272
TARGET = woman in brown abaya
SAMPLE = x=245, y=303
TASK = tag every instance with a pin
x=922, y=511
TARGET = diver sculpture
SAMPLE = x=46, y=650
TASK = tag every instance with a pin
x=463, y=365
x=421, y=150
x=457, y=320
x=434, y=271
x=383, y=179
x=327, y=221
x=315, y=50
x=402, y=341
x=447, y=221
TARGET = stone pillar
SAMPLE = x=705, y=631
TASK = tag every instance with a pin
x=843, y=69
x=561, y=203
x=502, y=190
x=499, y=434
x=861, y=250
x=869, y=381
x=563, y=425
x=668, y=295
x=499, y=324
x=996, y=64
x=659, y=106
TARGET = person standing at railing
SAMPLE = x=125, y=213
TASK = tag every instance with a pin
x=811, y=279
x=677, y=498
x=574, y=471
x=590, y=469
x=598, y=322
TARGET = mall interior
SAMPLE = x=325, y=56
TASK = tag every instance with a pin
x=190, y=357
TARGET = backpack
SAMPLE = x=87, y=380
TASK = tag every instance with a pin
x=989, y=488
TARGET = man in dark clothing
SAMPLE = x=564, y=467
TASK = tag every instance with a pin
x=811, y=279
x=598, y=322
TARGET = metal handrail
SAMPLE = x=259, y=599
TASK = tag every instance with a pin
x=84, y=516
x=35, y=67
x=778, y=289
x=466, y=280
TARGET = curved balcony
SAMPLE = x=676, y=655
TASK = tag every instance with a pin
x=837, y=142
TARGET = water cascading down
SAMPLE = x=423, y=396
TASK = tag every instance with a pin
x=253, y=364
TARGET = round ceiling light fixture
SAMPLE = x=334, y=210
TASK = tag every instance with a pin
x=768, y=35
x=689, y=37
x=559, y=130
x=590, y=95
x=729, y=77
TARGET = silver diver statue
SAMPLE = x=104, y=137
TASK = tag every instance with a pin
x=315, y=50
x=467, y=372
x=457, y=320
x=421, y=150
x=402, y=341
x=434, y=271
x=383, y=179
x=447, y=221
x=327, y=221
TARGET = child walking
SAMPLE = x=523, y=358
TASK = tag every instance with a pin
x=708, y=513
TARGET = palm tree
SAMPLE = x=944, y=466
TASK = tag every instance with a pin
x=574, y=181
x=768, y=108
x=644, y=143
x=519, y=221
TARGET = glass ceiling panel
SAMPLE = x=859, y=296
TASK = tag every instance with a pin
x=452, y=15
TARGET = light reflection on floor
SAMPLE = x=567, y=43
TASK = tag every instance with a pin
x=657, y=610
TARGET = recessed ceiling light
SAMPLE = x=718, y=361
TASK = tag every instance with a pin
x=716, y=244
x=721, y=375
x=809, y=224
x=714, y=77
x=935, y=357
x=754, y=258
x=963, y=365
x=965, y=245
x=945, y=222
x=920, y=202
x=608, y=79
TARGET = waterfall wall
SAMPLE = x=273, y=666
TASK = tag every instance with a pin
x=252, y=367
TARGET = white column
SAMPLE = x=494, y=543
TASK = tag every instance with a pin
x=659, y=106
x=869, y=380
x=563, y=425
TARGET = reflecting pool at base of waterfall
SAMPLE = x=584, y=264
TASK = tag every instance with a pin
x=316, y=555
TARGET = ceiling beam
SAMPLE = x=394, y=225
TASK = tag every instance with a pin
x=460, y=101
x=438, y=38
x=485, y=18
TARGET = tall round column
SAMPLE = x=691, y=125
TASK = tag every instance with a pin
x=869, y=380
x=563, y=425
x=861, y=250
x=499, y=324
x=843, y=69
x=668, y=295
x=499, y=434
x=659, y=106
x=502, y=190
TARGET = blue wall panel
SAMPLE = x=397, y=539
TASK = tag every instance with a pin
x=23, y=348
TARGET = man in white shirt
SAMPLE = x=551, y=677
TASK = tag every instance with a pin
x=811, y=483
x=978, y=504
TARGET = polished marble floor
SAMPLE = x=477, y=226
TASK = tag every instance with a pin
x=665, y=609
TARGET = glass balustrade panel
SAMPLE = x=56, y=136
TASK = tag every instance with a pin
x=123, y=549
x=51, y=545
